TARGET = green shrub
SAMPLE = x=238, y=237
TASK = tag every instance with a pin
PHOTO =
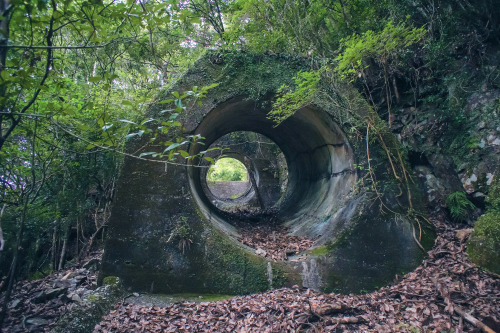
x=460, y=207
x=484, y=245
x=227, y=169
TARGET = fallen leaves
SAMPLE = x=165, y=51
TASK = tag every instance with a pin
x=447, y=292
x=425, y=300
x=273, y=242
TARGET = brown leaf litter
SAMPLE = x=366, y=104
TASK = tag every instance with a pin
x=447, y=293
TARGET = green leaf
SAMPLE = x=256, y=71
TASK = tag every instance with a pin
x=166, y=101
x=184, y=153
x=211, y=160
x=5, y=75
x=130, y=135
x=127, y=103
x=172, y=146
x=147, y=121
x=95, y=79
x=147, y=154
x=127, y=121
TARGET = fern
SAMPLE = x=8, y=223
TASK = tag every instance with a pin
x=460, y=207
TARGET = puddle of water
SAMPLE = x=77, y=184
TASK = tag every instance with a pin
x=163, y=300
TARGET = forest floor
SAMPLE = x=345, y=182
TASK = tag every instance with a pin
x=447, y=293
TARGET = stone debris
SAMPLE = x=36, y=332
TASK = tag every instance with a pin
x=35, y=306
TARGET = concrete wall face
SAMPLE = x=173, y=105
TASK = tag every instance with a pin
x=356, y=248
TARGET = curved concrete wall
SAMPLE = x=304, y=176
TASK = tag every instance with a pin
x=319, y=158
x=356, y=247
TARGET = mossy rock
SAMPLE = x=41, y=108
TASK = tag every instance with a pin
x=83, y=317
x=484, y=245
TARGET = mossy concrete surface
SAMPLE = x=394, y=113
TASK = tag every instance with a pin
x=323, y=201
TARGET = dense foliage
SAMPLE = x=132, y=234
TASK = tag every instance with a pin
x=227, y=169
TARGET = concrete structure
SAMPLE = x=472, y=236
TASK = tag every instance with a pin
x=167, y=235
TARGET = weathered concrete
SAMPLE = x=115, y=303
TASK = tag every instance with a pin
x=167, y=235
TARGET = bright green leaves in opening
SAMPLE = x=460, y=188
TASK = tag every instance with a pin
x=357, y=49
x=293, y=98
x=227, y=169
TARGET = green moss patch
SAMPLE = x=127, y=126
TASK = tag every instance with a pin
x=484, y=245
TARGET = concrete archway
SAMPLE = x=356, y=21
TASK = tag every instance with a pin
x=355, y=247
x=319, y=158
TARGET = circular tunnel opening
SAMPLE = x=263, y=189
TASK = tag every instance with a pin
x=227, y=179
x=319, y=175
x=248, y=174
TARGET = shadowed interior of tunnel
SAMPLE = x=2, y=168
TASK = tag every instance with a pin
x=319, y=168
x=248, y=173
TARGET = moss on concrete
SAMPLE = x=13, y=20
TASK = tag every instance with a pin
x=151, y=200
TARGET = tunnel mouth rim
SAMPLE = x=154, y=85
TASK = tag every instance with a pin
x=244, y=210
x=316, y=150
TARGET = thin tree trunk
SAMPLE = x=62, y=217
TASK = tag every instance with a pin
x=2, y=241
x=77, y=236
x=63, y=250
x=15, y=260
x=32, y=257
x=254, y=183
x=54, y=248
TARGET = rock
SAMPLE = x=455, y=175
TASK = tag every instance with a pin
x=431, y=185
x=469, y=183
x=463, y=234
x=489, y=178
x=14, y=304
x=260, y=252
x=49, y=294
x=37, y=321
x=74, y=297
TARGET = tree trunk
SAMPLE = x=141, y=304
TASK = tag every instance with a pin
x=15, y=260
x=2, y=241
x=54, y=248
x=63, y=250
x=254, y=183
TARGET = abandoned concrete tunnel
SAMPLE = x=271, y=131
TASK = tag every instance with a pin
x=171, y=234
x=318, y=158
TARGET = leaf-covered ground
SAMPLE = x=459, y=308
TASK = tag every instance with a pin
x=273, y=242
x=445, y=294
